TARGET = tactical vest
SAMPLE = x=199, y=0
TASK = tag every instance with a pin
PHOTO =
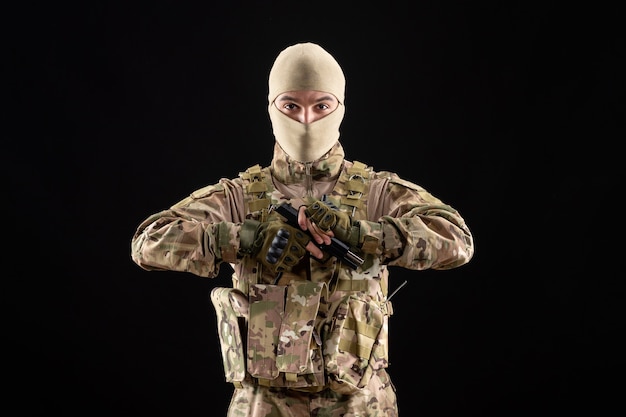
x=292, y=335
x=351, y=187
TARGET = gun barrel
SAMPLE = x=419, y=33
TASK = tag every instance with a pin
x=354, y=259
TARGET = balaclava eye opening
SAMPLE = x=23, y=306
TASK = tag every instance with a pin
x=306, y=66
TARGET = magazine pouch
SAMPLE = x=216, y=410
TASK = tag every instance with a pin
x=355, y=342
x=267, y=305
x=284, y=349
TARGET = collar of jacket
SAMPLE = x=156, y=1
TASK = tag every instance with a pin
x=290, y=171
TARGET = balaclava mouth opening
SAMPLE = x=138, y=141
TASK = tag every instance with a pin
x=306, y=66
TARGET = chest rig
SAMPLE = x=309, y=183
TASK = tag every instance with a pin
x=350, y=192
x=295, y=336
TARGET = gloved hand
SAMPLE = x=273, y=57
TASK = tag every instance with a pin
x=274, y=243
x=328, y=217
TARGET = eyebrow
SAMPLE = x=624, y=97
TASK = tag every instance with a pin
x=323, y=98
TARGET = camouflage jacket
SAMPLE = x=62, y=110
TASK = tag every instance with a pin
x=414, y=229
x=401, y=225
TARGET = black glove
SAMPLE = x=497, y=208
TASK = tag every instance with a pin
x=275, y=244
x=328, y=217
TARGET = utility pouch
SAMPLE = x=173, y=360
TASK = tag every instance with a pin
x=231, y=307
x=355, y=342
x=267, y=305
x=284, y=349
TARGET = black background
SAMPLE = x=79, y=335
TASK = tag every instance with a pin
x=512, y=112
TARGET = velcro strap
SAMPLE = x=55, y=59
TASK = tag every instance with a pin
x=352, y=200
x=247, y=233
x=362, y=328
x=361, y=351
x=359, y=169
x=258, y=204
x=355, y=186
x=227, y=250
x=370, y=244
x=256, y=187
x=291, y=377
x=253, y=173
x=352, y=285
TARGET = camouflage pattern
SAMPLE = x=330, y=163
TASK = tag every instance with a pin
x=416, y=229
x=377, y=399
x=296, y=330
x=230, y=305
x=284, y=348
x=320, y=323
x=355, y=343
x=267, y=307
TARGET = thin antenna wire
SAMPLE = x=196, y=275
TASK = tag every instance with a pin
x=397, y=289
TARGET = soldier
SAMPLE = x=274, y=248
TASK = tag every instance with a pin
x=303, y=329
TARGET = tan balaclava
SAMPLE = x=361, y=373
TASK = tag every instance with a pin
x=306, y=66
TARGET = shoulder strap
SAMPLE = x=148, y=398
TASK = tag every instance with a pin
x=257, y=189
x=355, y=181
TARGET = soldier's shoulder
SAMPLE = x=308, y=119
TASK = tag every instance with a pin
x=396, y=180
x=222, y=186
x=393, y=178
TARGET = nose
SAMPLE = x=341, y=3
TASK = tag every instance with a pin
x=307, y=116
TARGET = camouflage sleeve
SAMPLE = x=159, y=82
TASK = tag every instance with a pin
x=195, y=235
x=416, y=230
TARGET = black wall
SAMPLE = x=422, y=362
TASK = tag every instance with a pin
x=510, y=112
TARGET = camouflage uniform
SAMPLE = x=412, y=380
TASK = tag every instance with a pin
x=312, y=341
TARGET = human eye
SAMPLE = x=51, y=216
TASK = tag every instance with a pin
x=290, y=106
